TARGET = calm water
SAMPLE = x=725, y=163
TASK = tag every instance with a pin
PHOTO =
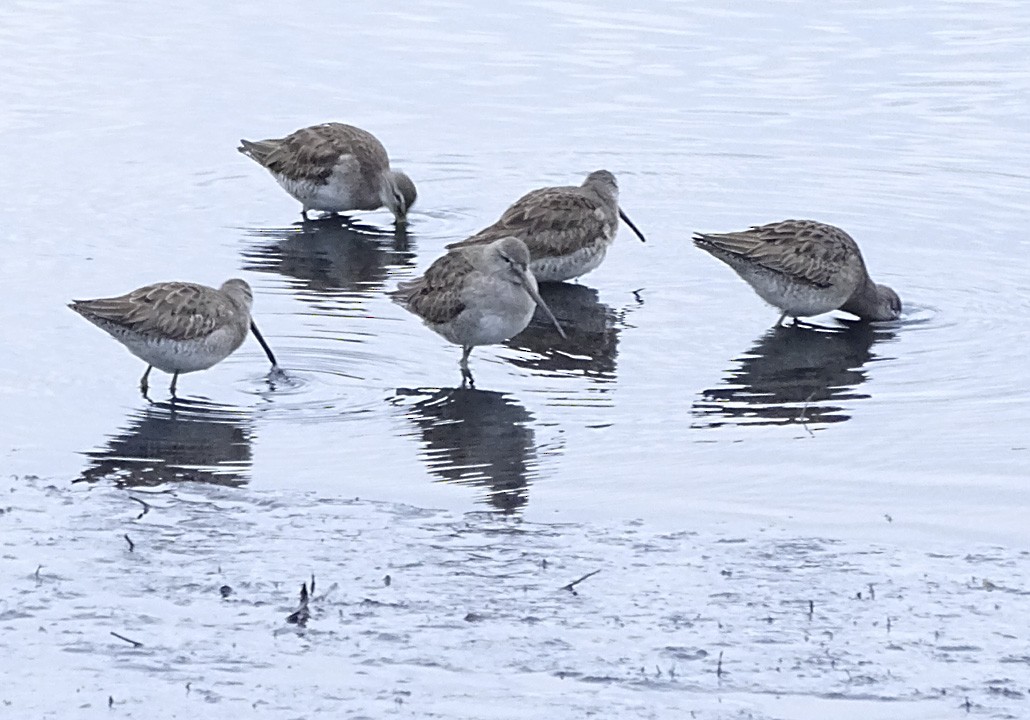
x=673, y=402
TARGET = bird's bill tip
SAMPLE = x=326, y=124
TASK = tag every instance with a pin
x=535, y=294
x=634, y=228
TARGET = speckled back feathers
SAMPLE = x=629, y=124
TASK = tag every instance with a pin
x=557, y=221
x=803, y=250
x=435, y=296
x=170, y=310
x=311, y=153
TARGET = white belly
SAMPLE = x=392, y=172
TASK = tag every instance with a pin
x=567, y=267
x=797, y=299
x=345, y=189
x=184, y=356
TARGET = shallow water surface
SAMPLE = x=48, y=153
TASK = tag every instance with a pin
x=674, y=405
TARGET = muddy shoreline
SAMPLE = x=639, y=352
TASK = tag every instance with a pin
x=426, y=613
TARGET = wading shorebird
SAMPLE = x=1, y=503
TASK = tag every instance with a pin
x=177, y=327
x=334, y=168
x=804, y=268
x=476, y=295
x=567, y=229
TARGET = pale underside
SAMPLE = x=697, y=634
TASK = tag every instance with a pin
x=180, y=356
x=797, y=298
x=343, y=190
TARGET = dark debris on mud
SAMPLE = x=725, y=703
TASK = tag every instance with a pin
x=426, y=614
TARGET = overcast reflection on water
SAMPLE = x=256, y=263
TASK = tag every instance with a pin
x=475, y=437
x=795, y=374
x=592, y=328
x=330, y=257
x=181, y=440
x=902, y=124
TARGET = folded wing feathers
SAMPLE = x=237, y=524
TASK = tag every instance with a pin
x=436, y=295
x=807, y=251
x=312, y=153
x=177, y=311
x=551, y=221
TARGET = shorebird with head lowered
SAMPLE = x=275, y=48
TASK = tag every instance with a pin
x=177, y=327
x=476, y=295
x=334, y=168
x=804, y=268
x=567, y=229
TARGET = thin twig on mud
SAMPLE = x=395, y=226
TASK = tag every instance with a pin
x=132, y=642
x=146, y=506
x=572, y=585
x=132, y=545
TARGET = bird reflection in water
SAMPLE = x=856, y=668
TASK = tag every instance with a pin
x=184, y=440
x=331, y=257
x=794, y=375
x=591, y=326
x=475, y=437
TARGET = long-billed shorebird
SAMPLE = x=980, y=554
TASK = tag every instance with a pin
x=177, y=327
x=567, y=229
x=334, y=168
x=804, y=268
x=476, y=295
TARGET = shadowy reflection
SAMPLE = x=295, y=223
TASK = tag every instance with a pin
x=593, y=339
x=476, y=437
x=791, y=374
x=331, y=256
x=175, y=441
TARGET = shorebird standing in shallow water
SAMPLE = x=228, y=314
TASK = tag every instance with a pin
x=177, y=327
x=334, y=168
x=567, y=229
x=476, y=295
x=804, y=268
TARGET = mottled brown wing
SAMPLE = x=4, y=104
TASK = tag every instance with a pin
x=174, y=310
x=436, y=295
x=311, y=153
x=803, y=249
x=551, y=221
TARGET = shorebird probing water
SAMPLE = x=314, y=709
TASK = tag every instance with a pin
x=177, y=327
x=804, y=268
x=334, y=168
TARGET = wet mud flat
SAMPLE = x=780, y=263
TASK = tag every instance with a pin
x=172, y=602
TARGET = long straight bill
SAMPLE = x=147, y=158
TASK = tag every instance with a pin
x=625, y=219
x=530, y=286
x=264, y=345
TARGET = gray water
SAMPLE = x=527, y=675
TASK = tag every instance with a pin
x=675, y=434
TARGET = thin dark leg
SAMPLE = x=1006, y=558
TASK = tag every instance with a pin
x=304, y=214
x=466, y=374
x=144, y=385
x=175, y=379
